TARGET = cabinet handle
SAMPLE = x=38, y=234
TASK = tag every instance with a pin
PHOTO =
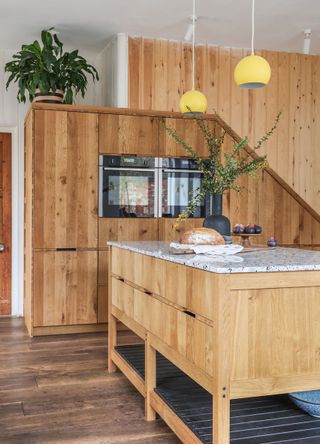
x=66, y=249
x=189, y=313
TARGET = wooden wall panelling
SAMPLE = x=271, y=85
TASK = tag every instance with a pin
x=295, y=81
x=65, y=288
x=66, y=180
x=128, y=135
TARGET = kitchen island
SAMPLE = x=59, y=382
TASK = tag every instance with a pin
x=236, y=330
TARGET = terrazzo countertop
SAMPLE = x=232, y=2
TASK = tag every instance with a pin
x=275, y=259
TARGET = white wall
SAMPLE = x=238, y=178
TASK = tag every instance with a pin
x=112, y=65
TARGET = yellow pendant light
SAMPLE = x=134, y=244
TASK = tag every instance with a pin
x=193, y=101
x=252, y=71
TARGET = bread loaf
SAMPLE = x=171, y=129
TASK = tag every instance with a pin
x=202, y=236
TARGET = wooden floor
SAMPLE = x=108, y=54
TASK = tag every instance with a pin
x=56, y=390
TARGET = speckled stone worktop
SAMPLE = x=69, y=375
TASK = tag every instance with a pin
x=277, y=259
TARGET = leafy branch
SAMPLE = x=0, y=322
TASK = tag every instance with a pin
x=221, y=170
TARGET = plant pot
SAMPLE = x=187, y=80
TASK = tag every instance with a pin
x=216, y=220
x=50, y=97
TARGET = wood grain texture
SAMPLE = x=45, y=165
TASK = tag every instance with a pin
x=263, y=338
x=189, y=131
x=123, y=134
x=5, y=223
x=160, y=71
x=54, y=389
x=28, y=215
x=103, y=274
x=175, y=328
x=127, y=229
x=65, y=180
x=65, y=288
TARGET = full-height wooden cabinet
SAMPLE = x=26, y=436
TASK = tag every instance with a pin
x=66, y=251
x=61, y=223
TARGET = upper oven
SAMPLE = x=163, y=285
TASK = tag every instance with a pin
x=127, y=186
x=179, y=181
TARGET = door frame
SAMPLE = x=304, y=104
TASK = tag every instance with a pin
x=17, y=178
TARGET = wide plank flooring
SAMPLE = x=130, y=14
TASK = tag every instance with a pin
x=56, y=389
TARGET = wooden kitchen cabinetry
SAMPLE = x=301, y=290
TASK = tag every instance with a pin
x=188, y=130
x=65, y=180
x=61, y=221
x=123, y=134
x=103, y=274
x=66, y=252
x=139, y=229
x=65, y=288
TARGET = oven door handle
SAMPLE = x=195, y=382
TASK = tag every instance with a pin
x=182, y=171
x=153, y=170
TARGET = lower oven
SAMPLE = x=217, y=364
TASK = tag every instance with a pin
x=127, y=186
x=179, y=180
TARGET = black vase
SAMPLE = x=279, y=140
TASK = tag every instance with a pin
x=216, y=220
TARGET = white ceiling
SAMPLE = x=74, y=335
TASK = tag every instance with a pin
x=89, y=24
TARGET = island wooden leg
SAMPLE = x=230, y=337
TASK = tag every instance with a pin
x=150, y=378
x=221, y=418
x=112, y=342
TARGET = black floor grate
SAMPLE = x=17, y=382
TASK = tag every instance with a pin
x=263, y=420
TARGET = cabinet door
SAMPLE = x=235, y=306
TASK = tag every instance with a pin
x=189, y=131
x=126, y=229
x=119, y=134
x=65, y=180
x=65, y=288
x=103, y=272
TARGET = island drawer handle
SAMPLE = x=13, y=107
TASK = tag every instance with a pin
x=189, y=313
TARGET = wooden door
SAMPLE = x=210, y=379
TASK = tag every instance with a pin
x=189, y=131
x=137, y=135
x=65, y=180
x=5, y=224
x=65, y=288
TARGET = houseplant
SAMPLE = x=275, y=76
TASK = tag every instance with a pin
x=221, y=170
x=45, y=70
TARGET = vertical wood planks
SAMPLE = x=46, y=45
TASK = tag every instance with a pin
x=293, y=150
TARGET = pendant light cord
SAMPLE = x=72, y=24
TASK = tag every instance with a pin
x=252, y=29
x=193, y=42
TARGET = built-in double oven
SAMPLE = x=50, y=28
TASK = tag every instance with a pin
x=147, y=187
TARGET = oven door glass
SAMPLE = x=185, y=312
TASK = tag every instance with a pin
x=177, y=189
x=128, y=193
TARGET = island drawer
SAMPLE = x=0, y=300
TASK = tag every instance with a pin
x=177, y=329
x=189, y=288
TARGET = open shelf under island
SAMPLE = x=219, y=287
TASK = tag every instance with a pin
x=234, y=331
